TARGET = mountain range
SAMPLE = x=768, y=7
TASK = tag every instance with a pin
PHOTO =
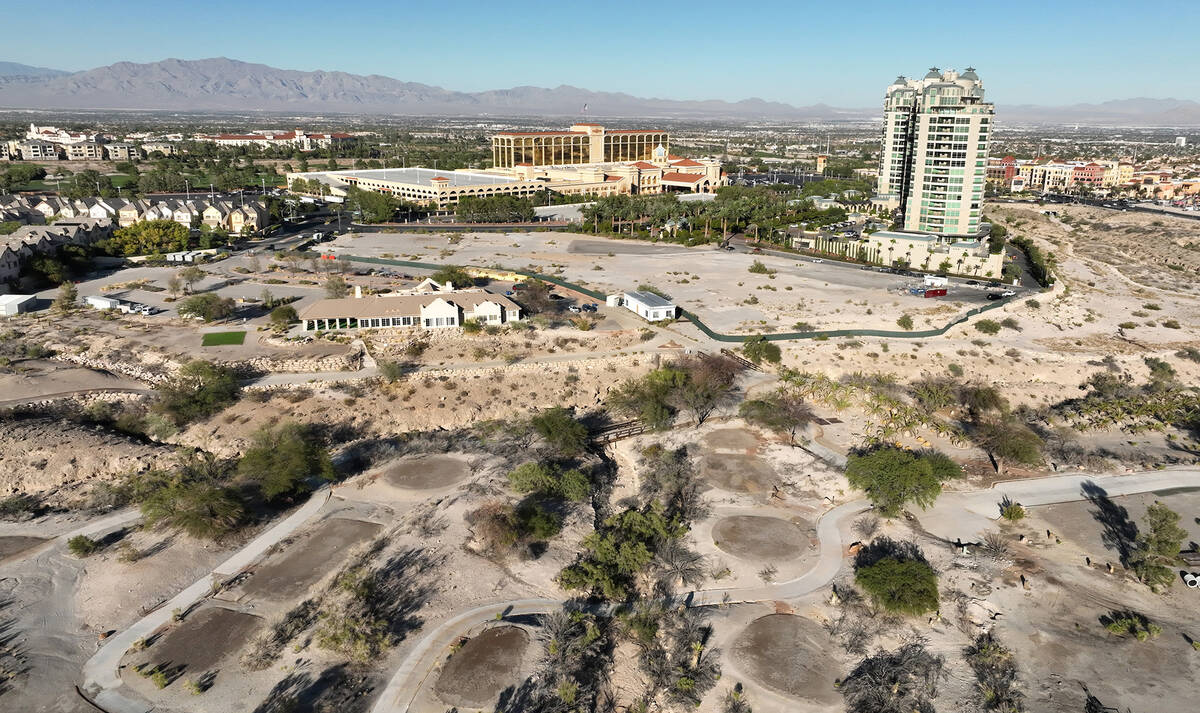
x=222, y=84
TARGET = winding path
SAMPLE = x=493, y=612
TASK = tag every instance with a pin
x=956, y=514
x=102, y=672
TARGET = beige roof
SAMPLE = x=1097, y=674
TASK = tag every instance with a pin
x=399, y=305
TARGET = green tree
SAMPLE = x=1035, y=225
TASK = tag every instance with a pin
x=561, y=431
x=67, y=295
x=619, y=551
x=897, y=576
x=893, y=477
x=199, y=509
x=1158, y=547
x=148, y=237
x=336, y=287
x=199, y=390
x=191, y=276
x=782, y=412
x=456, y=276
x=757, y=349
x=282, y=317
x=283, y=460
x=375, y=207
x=1008, y=440
x=210, y=307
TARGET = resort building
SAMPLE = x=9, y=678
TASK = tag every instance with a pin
x=582, y=143
x=443, y=189
x=434, y=310
x=935, y=152
x=296, y=138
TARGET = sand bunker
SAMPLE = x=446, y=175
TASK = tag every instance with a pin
x=201, y=641
x=737, y=473
x=731, y=439
x=483, y=668
x=16, y=544
x=788, y=654
x=428, y=473
x=753, y=537
x=305, y=562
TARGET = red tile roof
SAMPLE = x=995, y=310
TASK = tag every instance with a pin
x=636, y=131
x=542, y=133
x=643, y=164
x=683, y=177
x=688, y=163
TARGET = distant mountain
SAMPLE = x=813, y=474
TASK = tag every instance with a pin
x=1118, y=112
x=16, y=70
x=229, y=85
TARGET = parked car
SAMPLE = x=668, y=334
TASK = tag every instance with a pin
x=757, y=251
x=575, y=309
x=817, y=259
x=730, y=248
x=972, y=282
x=590, y=307
x=994, y=296
x=509, y=293
x=1007, y=293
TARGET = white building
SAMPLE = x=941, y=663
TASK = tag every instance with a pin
x=935, y=148
x=647, y=305
x=434, y=310
x=16, y=304
x=1181, y=141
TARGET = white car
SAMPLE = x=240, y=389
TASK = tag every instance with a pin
x=1007, y=293
x=817, y=259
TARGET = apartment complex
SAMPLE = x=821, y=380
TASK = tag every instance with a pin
x=233, y=216
x=1050, y=175
x=296, y=138
x=935, y=148
x=581, y=144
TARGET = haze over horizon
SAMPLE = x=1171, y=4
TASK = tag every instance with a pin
x=796, y=53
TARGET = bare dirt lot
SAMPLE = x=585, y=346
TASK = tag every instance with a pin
x=303, y=563
x=786, y=653
x=427, y=473
x=737, y=473
x=764, y=539
x=15, y=545
x=486, y=665
x=200, y=642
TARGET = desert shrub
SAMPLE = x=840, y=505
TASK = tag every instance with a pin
x=472, y=326
x=1010, y=323
x=209, y=306
x=550, y=480
x=283, y=460
x=995, y=670
x=1126, y=623
x=900, y=681
x=1011, y=511
x=82, y=546
x=199, y=390
x=759, y=268
x=391, y=371
x=1171, y=324
x=905, y=322
x=987, y=326
x=1157, y=547
x=757, y=349
x=617, y=553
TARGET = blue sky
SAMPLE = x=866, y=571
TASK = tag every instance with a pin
x=844, y=54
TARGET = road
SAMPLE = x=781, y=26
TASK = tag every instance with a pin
x=964, y=515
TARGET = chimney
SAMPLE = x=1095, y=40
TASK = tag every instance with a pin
x=358, y=292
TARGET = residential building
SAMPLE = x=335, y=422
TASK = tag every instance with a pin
x=582, y=143
x=85, y=151
x=1180, y=141
x=35, y=150
x=935, y=148
x=162, y=147
x=435, y=310
x=121, y=152
x=15, y=304
x=969, y=256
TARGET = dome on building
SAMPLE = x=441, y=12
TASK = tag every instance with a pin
x=970, y=74
x=934, y=73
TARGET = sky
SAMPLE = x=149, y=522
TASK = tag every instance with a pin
x=1051, y=52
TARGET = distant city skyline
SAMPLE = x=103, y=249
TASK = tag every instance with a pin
x=798, y=53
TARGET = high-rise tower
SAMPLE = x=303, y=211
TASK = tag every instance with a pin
x=935, y=148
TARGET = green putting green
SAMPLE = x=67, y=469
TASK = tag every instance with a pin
x=218, y=339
